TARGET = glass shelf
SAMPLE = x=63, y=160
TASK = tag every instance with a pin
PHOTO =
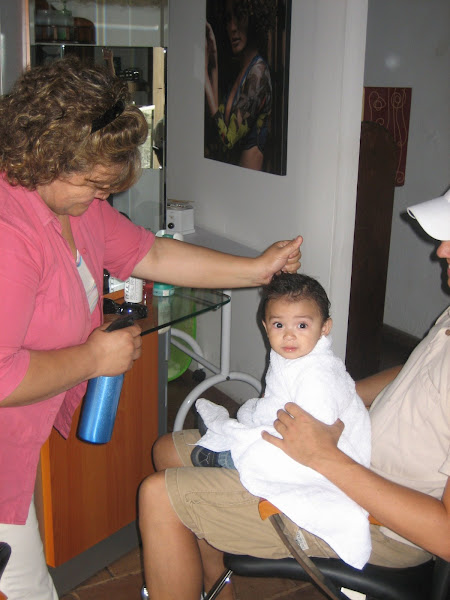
x=165, y=311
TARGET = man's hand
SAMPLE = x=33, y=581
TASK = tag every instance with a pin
x=303, y=437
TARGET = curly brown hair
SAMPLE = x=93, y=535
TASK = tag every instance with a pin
x=46, y=122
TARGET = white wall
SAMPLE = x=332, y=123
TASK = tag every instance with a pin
x=408, y=46
x=317, y=196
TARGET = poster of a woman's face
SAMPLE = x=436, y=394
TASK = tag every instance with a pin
x=246, y=83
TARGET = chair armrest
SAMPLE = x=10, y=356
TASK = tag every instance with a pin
x=266, y=509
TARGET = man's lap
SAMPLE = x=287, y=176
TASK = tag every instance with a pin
x=215, y=506
x=213, y=503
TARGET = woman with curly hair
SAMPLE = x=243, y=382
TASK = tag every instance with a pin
x=240, y=109
x=70, y=138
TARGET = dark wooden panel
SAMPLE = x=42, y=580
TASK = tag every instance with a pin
x=375, y=196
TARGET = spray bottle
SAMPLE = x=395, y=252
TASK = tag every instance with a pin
x=102, y=399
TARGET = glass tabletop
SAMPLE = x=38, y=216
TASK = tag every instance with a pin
x=164, y=311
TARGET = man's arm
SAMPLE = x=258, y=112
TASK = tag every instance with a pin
x=369, y=388
x=418, y=517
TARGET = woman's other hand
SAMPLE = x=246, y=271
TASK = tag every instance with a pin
x=303, y=437
x=54, y=371
x=115, y=351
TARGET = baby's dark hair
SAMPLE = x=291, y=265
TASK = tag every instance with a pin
x=295, y=287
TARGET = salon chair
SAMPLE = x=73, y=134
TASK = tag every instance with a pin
x=428, y=581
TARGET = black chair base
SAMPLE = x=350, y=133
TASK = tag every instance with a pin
x=5, y=553
x=378, y=583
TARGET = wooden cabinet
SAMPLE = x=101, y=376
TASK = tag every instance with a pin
x=89, y=491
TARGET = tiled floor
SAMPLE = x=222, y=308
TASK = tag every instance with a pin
x=122, y=580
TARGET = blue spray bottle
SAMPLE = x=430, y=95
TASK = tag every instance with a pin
x=102, y=399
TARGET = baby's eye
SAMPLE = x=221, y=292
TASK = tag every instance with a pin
x=302, y=326
x=278, y=325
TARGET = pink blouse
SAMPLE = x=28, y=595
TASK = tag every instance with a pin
x=44, y=306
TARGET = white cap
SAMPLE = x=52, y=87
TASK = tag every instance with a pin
x=434, y=216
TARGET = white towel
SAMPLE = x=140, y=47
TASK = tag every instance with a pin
x=320, y=384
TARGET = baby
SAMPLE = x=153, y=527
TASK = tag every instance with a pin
x=304, y=370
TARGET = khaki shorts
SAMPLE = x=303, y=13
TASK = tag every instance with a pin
x=216, y=507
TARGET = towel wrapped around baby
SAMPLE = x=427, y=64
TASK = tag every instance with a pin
x=320, y=384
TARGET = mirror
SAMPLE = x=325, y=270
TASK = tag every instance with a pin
x=143, y=69
x=128, y=36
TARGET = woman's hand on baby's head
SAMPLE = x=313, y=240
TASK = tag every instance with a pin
x=293, y=263
x=281, y=256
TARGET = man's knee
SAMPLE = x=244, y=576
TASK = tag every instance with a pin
x=151, y=490
x=164, y=453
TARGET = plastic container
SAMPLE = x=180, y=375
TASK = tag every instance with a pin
x=134, y=290
x=165, y=289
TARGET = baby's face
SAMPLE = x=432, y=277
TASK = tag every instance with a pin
x=294, y=328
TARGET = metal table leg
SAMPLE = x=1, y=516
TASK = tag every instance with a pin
x=221, y=375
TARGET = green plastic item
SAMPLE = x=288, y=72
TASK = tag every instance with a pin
x=179, y=361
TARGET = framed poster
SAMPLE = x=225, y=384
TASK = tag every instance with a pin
x=246, y=83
